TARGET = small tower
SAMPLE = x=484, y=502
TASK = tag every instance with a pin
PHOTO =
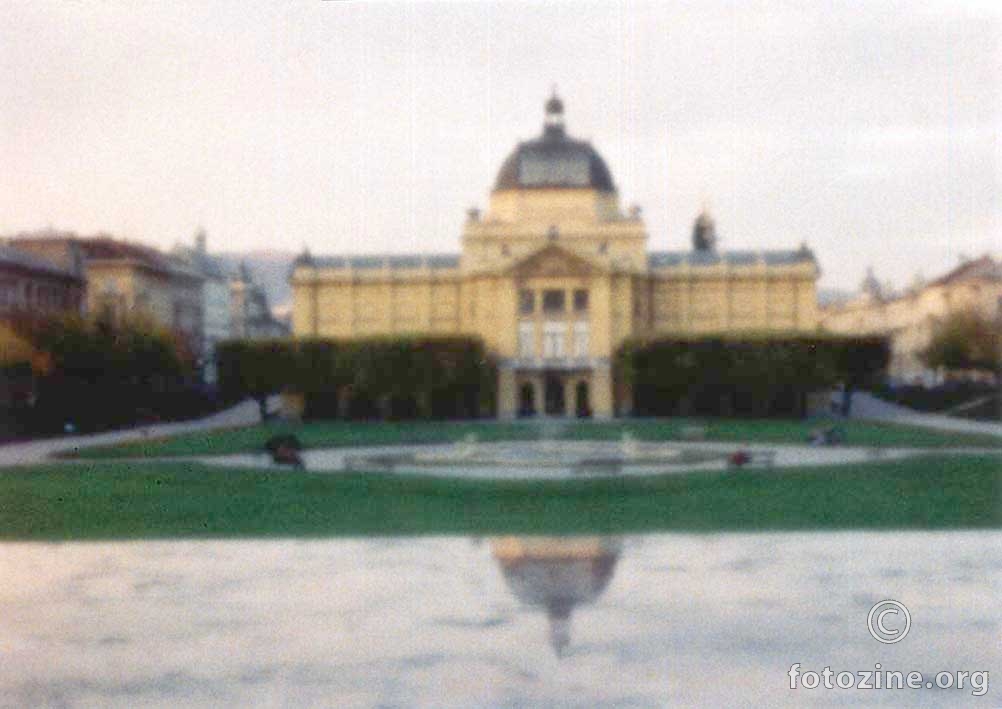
x=201, y=241
x=704, y=233
x=870, y=287
x=553, y=126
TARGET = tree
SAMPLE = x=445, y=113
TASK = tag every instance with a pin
x=256, y=369
x=964, y=340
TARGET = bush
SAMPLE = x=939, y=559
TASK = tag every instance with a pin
x=98, y=373
x=965, y=341
x=744, y=376
x=373, y=378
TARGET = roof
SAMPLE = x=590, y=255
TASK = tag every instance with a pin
x=402, y=261
x=12, y=257
x=103, y=248
x=984, y=268
x=207, y=265
x=668, y=259
x=554, y=160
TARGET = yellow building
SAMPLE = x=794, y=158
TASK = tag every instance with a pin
x=125, y=278
x=553, y=278
x=909, y=319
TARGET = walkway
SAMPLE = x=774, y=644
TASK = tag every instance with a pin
x=864, y=406
x=243, y=414
x=867, y=406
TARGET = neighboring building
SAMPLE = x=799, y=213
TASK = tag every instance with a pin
x=910, y=319
x=554, y=278
x=32, y=285
x=126, y=278
x=217, y=317
x=251, y=318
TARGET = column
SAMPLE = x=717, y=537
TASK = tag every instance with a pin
x=601, y=393
x=507, y=394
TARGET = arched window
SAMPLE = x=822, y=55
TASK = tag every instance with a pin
x=527, y=400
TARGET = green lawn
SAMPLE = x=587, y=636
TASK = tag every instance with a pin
x=126, y=500
x=339, y=433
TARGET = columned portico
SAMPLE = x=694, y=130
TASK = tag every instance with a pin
x=539, y=387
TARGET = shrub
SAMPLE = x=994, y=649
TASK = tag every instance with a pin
x=382, y=377
x=744, y=375
x=97, y=372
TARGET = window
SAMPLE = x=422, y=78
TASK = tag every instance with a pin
x=554, y=334
x=553, y=301
x=527, y=339
x=8, y=293
x=526, y=302
x=581, y=339
x=580, y=301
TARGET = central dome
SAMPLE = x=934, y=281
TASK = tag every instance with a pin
x=554, y=160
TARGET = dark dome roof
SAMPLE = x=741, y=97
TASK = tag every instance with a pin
x=554, y=160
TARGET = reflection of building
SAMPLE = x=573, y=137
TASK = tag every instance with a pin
x=557, y=574
x=250, y=315
x=909, y=319
x=216, y=314
x=33, y=285
x=554, y=277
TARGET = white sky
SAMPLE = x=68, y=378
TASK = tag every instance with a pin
x=868, y=130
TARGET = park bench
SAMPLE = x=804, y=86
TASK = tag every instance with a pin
x=284, y=450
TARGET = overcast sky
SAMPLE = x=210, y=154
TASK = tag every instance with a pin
x=867, y=130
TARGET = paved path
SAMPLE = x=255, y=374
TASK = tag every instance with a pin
x=864, y=406
x=562, y=460
x=867, y=406
x=243, y=414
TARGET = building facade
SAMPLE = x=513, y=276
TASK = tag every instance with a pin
x=554, y=277
x=32, y=285
x=217, y=317
x=250, y=315
x=129, y=279
x=910, y=319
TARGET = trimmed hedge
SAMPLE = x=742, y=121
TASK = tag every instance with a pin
x=755, y=376
x=373, y=378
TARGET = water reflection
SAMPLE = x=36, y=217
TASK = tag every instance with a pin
x=557, y=574
x=658, y=620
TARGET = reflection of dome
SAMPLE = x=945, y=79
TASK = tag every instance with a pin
x=554, y=160
x=557, y=573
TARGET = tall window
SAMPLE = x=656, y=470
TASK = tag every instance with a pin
x=554, y=334
x=581, y=339
x=526, y=302
x=553, y=301
x=580, y=301
x=527, y=339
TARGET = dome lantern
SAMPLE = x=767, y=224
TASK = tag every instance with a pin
x=553, y=125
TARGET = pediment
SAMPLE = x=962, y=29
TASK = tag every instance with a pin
x=553, y=260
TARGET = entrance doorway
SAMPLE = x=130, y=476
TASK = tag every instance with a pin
x=526, y=400
x=555, y=396
x=582, y=406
